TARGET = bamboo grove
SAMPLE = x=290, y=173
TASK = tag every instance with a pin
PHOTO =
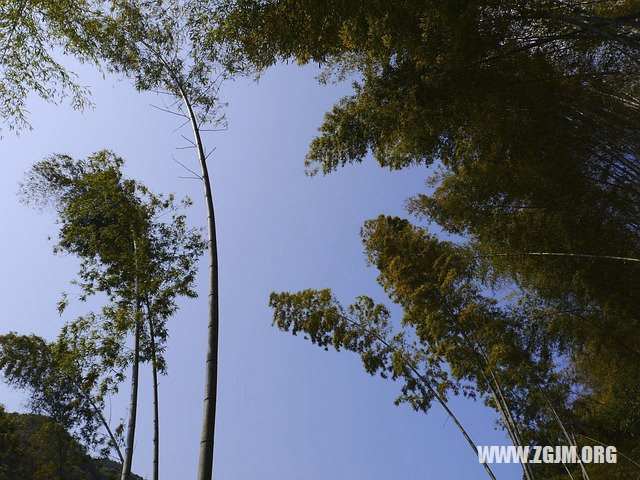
x=516, y=269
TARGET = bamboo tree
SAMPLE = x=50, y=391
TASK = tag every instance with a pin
x=154, y=374
x=156, y=412
x=365, y=330
x=151, y=48
x=111, y=224
x=529, y=111
x=133, y=406
x=135, y=368
x=63, y=383
x=488, y=349
x=145, y=41
x=570, y=440
x=205, y=463
x=494, y=387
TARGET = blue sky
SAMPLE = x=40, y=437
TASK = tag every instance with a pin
x=287, y=410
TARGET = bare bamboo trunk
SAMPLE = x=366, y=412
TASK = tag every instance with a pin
x=570, y=441
x=575, y=255
x=510, y=423
x=501, y=403
x=133, y=406
x=205, y=463
x=439, y=398
x=110, y=432
x=442, y=402
x=105, y=424
x=156, y=416
x=511, y=430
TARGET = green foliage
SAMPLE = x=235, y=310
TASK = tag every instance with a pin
x=528, y=114
x=136, y=249
x=456, y=338
x=40, y=449
x=362, y=328
x=528, y=109
x=154, y=44
x=145, y=40
x=65, y=382
x=460, y=338
x=448, y=81
x=532, y=119
x=112, y=224
x=30, y=32
x=10, y=450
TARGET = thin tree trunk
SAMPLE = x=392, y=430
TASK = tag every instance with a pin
x=583, y=23
x=576, y=255
x=442, y=402
x=111, y=435
x=585, y=475
x=570, y=441
x=439, y=398
x=133, y=406
x=512, y=428
x=507, y=416
x=501, y=404
x=205, y=464
x=104, y=423
x=503, y=409
x=604, y=445
x=156, y=416
x=551, y=442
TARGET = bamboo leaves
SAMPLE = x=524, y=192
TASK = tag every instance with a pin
x=142, y=264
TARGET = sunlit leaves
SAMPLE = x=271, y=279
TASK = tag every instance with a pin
x=134, y=247
x=33, y=34
x=63, y=381
x=123, y=235
x=362, y=328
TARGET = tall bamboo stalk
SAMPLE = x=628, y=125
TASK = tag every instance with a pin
x=133, y=405
x=501, y=403
x=156, y=415
x=156, y=411
x=103, y=420
x=434, y=392
x=205, y=462
x=570, y=440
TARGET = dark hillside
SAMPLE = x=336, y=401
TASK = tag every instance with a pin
x=34, y=447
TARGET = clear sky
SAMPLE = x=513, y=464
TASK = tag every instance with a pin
x=287, y=410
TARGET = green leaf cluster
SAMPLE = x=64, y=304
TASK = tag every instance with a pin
x=36, y=447
x=527, y=114
x=32, y=32
x=133, y=245
x=66, y=383
x=137, y=251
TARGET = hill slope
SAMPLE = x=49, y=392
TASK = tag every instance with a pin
x=34, y=447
